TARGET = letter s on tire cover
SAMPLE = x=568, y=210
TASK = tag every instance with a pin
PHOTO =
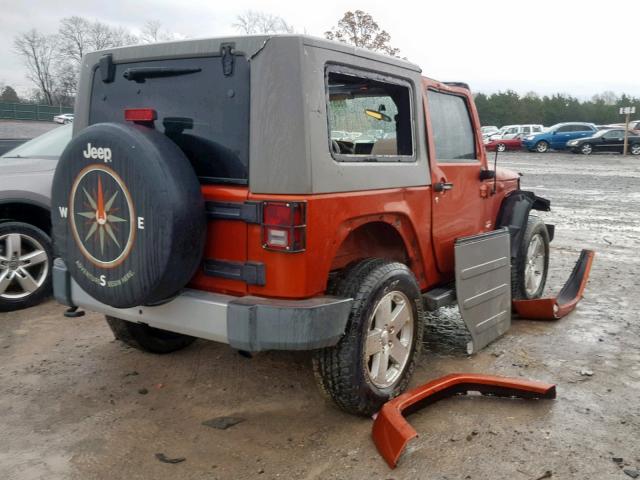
x=127, y=213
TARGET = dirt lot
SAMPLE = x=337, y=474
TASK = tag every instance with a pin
x=73, y=402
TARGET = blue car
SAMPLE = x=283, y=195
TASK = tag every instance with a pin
x=556, y=137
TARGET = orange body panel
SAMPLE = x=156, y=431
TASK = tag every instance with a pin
x=226, y=240
x=415, y=225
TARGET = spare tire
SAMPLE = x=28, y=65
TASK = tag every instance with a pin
x=128, y=215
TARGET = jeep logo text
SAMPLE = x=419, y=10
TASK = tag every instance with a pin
x=100, y=153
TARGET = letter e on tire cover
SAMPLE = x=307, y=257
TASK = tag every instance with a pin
x=127, y=213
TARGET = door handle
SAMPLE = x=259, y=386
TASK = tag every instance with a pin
x=442, y=186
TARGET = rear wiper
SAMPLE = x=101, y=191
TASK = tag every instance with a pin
x=140, y=74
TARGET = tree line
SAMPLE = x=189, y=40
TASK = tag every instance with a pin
x=510, y=108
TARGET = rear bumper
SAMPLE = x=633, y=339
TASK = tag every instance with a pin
x=246, y=323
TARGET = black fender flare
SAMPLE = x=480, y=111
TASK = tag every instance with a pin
x=514, y=214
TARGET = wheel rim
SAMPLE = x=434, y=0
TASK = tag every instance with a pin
x=586, y=149
x=541, y=147
x=501, y=147
x=534, y=266
x=389, y=339
x=635, y=149
x=24, y=266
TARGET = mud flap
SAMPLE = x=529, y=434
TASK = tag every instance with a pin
x=483, y=285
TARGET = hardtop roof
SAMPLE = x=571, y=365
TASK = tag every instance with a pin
x=249, y=45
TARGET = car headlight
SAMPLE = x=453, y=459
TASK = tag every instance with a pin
x=572, y=142
x=529, y=137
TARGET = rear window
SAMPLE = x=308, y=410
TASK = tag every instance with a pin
x=204, y=111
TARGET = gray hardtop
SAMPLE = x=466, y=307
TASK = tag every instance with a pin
x=247, y=45
x=288, y=109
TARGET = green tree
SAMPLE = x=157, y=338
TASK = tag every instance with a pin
x=361, y=30
x=9, y=95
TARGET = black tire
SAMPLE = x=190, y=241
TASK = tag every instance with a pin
x=341, y=371
x=128, y=216
x=519, y=288
x=10, y=296
x=542, y=146
x=146, y=338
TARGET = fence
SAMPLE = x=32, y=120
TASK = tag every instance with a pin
x=25, y=111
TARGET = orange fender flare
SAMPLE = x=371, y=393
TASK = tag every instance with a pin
x=554, y=308
x=391, y=432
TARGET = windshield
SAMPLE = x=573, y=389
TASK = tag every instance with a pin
x=49, y=145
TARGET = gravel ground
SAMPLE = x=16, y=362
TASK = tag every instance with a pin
x=24, y=129
x=76, y=404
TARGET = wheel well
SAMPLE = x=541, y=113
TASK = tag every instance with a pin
x=27, y=213
x=375, y=239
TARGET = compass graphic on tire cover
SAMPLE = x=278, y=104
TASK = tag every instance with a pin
x=101, y=213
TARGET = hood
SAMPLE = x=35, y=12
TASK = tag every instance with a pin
x=22, y=165
x=504, y=174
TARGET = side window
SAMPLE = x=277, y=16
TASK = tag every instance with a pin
x=526, y=130
x=451, y=125
x=565, y=129
x=369, y=119
x=537, y=129
x=614, y=134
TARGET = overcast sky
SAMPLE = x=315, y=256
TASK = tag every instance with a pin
x=569, y=46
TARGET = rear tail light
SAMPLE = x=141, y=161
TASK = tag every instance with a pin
x=284, y=226
x=140, y=115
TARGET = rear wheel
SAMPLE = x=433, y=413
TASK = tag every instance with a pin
x=149, y=339
x=586, y=149
x=375, y=359
x=25, y=265
x=501, y=147
x=542, y=147
x=635, y=149
x=529, y=272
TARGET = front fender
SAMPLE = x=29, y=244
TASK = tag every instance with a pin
x=514, y=214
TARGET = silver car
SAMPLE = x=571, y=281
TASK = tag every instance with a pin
x=26, y=173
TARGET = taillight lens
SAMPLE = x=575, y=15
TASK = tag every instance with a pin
x=140, y=115
x=284, y=226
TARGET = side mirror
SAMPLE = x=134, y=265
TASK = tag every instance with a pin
x=553, y=133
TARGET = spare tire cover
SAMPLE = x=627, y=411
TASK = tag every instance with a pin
x=128, y=215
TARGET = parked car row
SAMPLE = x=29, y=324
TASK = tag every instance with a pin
x=579, y=137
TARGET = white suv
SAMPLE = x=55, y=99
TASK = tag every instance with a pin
x=514, y=131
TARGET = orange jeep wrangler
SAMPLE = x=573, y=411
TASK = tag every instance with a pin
x=289, y=193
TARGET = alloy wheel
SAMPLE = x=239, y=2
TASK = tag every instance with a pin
x=23, y=265
x=534, y=265
x=389, y=337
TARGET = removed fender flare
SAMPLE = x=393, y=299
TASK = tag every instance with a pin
x=391, y=432
x=554, y=308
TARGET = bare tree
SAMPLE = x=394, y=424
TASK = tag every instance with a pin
x=74, y=38
x=252, y=22
x=358, y=28
x=152, y=32
x=38, y=53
